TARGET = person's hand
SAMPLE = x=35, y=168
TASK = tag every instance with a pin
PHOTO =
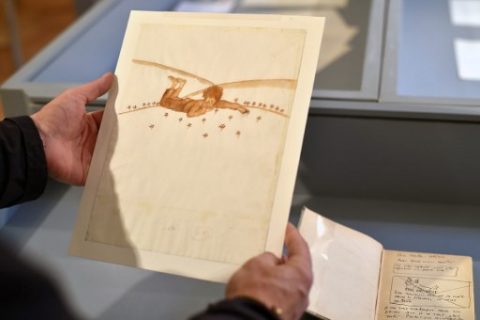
x=69, y=133
x=280, y=284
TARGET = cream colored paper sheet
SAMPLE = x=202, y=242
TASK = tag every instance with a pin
x=425, y=286
x=196, y=159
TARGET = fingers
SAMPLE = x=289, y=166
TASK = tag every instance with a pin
x=298, y=252
x=96, y=88
x=265, y=259
x=97, y=117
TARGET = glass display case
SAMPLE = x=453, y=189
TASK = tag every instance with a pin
x=83, y=52
x=422, y=57
x=350, y=59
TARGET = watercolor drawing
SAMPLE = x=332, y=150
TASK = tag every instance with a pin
x=196, y=141
x=210, y=97
x=193, y=108
x=199, y=131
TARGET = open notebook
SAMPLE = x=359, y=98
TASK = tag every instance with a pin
x=355, y=278
x=195, y=163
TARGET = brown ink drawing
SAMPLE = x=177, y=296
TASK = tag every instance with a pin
x=195, y=163
x=211, y=95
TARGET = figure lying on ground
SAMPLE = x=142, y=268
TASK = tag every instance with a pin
x=211, y=100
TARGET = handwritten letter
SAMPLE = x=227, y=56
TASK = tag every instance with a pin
x=425, y=286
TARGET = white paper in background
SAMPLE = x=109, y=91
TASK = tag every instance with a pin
x=467, y=53
x=465, y=13
x=215, y=6
x=294, y=3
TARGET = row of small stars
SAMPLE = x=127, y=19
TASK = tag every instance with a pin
x=238, y=133
x=246, y=103
x=205, y=135
x=230, y=117
x=147, y=104
x=260, y=105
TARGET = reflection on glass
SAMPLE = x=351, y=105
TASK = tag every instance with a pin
x=340, y=65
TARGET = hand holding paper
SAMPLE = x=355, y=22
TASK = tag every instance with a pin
x=69, y=133
x=280, y=284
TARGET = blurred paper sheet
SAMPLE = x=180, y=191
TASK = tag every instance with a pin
x=467, y=53
x=217, y=6
x=465, y=12
x=295, y=3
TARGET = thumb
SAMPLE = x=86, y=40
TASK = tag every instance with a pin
x=94, y=89
x=298, y=252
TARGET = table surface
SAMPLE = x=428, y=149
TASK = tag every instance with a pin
x=41, y=230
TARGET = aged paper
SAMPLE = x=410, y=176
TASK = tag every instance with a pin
x=425, y=286
x=346, y=268
x=196, y=159
x=352, y=269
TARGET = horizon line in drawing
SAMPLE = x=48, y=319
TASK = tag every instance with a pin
x=211, y=95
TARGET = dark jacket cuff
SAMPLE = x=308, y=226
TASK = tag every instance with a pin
x=24, y=164
x=236, y=309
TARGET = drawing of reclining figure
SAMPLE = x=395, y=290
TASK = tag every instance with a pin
x=192, y=107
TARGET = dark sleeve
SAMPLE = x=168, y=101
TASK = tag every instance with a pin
x=27, y=293
x=236, y=309
x=23, y=167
